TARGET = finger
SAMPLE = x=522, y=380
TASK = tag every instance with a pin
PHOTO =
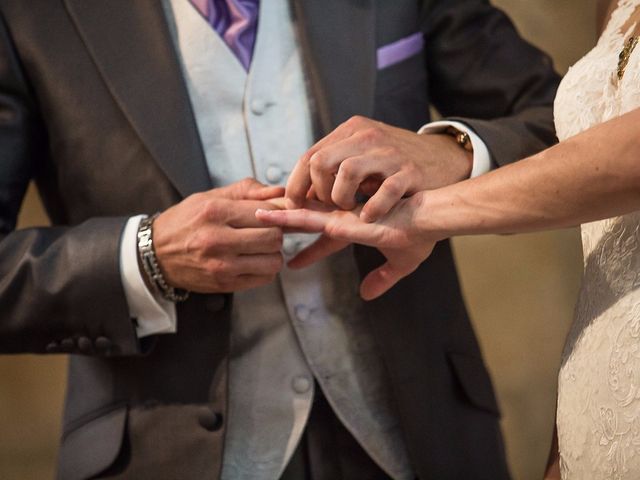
x=322, y=171
x=238, y=190
x=300, y=178
x=256, y=240
x=259, y=264
x=311, y=194
x=277, y=203
x=337, y=224
x=265, y=193
x=301, y=220
x=321, y=248
x=328, y=161
x=381, y=280
x=241, y=213
x=388, y=195
x=353, y=172
x=298, y=184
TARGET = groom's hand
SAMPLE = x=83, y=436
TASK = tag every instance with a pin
x=379, y=160
x=211, y=242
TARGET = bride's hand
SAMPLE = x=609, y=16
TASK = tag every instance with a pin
x=395, y=235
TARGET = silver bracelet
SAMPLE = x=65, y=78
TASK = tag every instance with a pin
x=150, y=264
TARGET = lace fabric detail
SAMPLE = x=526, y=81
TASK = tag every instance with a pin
x=599, y=383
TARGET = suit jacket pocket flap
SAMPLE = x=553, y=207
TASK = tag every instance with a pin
x=93, y=446
x=475, y=381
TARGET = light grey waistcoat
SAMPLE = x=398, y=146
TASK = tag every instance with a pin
x=309, y=323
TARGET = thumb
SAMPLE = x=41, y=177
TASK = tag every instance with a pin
x=381, y=280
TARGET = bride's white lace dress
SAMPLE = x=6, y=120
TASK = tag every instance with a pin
x=599, y=382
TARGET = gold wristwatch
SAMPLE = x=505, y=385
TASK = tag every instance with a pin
x=462, y=138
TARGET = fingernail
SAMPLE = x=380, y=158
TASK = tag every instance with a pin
x=262, y=212
x=364, y=216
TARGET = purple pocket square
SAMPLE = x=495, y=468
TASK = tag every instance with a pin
x=400, y=50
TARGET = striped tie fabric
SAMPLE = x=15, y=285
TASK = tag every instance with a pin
x=236, y=21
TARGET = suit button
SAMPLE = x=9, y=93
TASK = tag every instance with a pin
x=67, y=345
x=215, y=303
x=52, y=347
x=85, y=345
x=210, y=421
x=103, y=343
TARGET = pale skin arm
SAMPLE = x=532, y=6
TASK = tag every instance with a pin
x=591, y=176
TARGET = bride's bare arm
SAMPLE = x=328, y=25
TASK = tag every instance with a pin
x=588, y=177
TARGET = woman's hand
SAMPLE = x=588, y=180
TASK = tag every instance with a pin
x=396, y=236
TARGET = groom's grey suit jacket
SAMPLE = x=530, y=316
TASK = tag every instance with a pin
x=94, y=108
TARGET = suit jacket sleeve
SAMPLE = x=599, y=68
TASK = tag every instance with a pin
x=57, y=284
x=485, y=75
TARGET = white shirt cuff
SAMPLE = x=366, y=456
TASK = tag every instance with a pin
x=481, y=156
x=153, y=313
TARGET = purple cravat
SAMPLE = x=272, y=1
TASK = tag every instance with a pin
x=236, y=21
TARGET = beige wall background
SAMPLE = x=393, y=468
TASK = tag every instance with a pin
x=520, y=291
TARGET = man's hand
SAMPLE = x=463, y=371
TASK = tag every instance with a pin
x=211, y=242
x=396, y=236
x=388, y=163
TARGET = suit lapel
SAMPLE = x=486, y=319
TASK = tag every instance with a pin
x=338, y=38
x=132, y=47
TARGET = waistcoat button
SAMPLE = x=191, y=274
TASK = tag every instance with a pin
x=258, y=106
x=301, y=384
x=274, y=174
x=290, y=246
x=302, y=313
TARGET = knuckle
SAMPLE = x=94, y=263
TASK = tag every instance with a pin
x=210, y=209
x=305, y=159
x=247, y=182
x=393, y=187
x=318, y=160
x=372, y=134
x=348, y=170
x=356, y=121
x=215, y=267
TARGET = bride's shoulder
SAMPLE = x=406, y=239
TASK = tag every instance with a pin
x=605, y=9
